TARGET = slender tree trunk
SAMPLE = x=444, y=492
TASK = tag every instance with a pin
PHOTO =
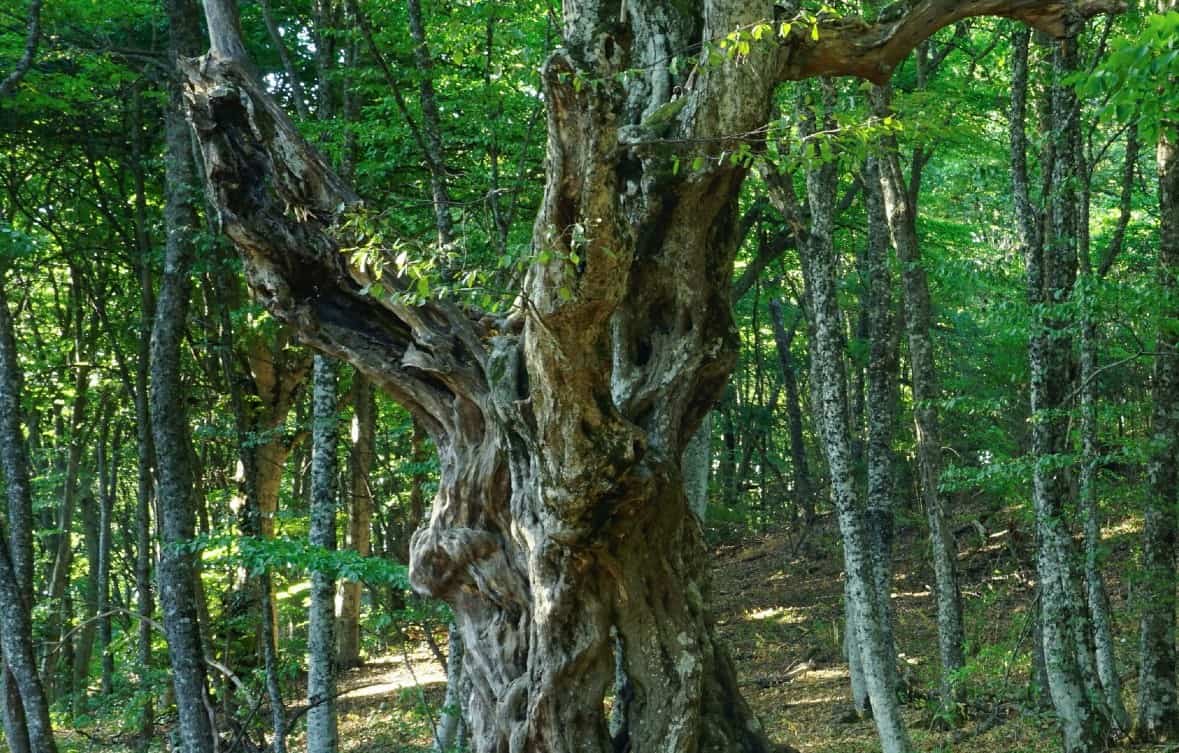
x=84, y=644
x=177, y=497
x=450, y=718
x=1096, y=594
x=902, y=222
x=144, y=448
x=360, y=512
x=26, y=709
x=882, y=401
x=1158, y=695
x=322, y=735
x=803, y=492
x=1051, y=272
x=58, y=623
x=697, y=462
x=829, y=384
x=431, y=125
x=108, y=483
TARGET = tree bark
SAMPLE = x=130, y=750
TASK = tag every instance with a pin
x=177, y=492
x=1051, y=262
x=882, y=393
x=803, y=492
x=26, y=709
x=144, y=447
x=431, y=125
x=560, y=519
x=697, y=462
x=829, y=385
x=61, y=542
x=1096, y=594
x=360, y=512
x=1158, y=696
x=322, y=735
x=450, y=718
x=108, y=482
x=32, y=41
x=901, y=212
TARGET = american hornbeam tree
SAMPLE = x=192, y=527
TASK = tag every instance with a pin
x=560, y=532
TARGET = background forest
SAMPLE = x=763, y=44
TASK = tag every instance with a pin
x=939, y=486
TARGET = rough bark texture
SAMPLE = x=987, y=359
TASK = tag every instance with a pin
x=1158, y=696
x=177, y=495
x=26, y=712
x=882, y=398
x=902, y=222
x=829, y=388
x=560, y=519
x=697, y=462
x=1051, y=262
x=322, y=734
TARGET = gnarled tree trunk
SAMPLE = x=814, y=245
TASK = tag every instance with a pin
x=560, y=519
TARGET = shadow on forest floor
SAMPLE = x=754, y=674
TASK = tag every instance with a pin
x=779, y=609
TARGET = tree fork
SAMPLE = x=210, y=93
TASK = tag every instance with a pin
x=560, y=518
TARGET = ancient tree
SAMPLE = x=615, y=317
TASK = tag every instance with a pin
x=560, y=520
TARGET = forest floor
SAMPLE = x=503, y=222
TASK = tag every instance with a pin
x=779, y=607
x=778, y=601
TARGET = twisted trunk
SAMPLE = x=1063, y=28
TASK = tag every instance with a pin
x=560, y=533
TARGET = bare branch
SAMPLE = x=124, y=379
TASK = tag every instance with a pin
x=32, y=40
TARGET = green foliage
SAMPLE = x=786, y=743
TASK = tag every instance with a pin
x=1136, y=81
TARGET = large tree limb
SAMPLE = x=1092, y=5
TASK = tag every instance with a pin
x=851, y=47
x=280, y=204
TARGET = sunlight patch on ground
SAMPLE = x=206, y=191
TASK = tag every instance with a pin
x=781, y=615
x=1128, y=526
x=389, y=675
x=831, y=673
x=818, y=700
